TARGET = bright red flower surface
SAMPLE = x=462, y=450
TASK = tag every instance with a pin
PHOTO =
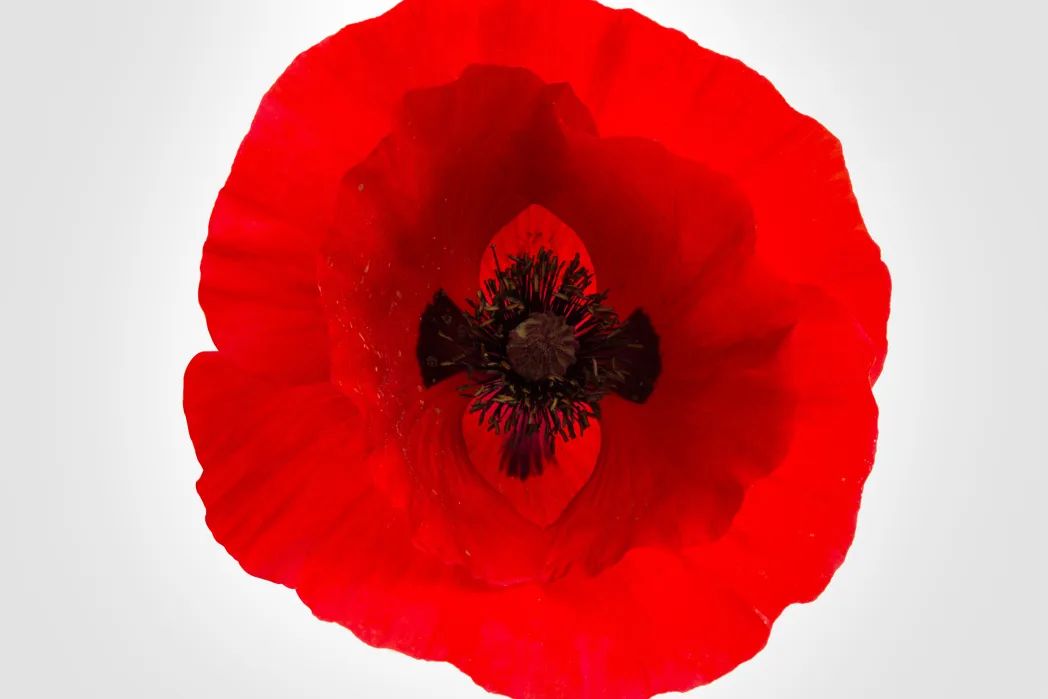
x=719, y=394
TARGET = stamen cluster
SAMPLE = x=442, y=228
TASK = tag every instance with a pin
x=507, y=395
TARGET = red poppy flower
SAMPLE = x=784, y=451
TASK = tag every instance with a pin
x=545, y=347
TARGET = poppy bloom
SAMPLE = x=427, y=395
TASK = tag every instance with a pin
x=545, y=343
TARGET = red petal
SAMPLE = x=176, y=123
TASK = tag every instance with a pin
x=654, y=623
x=661, y=230
x=533, y=229
x=795, y=527
x=281, y=463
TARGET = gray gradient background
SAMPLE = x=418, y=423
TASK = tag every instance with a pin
x=119, y=123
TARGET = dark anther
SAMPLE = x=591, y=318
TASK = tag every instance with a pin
x=641, y=355
x=438, y=348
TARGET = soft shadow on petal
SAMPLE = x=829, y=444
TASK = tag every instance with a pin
x=795, y=526
x=677, y=240
x=456, y=513
x=418, y=214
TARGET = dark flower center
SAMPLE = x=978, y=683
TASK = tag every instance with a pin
x=540, y=354
x=541, y=347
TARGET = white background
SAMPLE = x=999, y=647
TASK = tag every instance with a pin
x=119, y=123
